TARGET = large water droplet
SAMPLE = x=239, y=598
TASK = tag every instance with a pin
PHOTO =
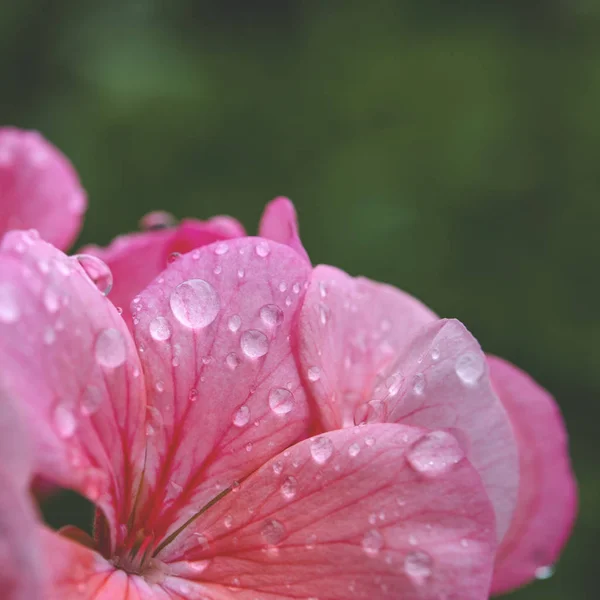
x=195, y=303
x=271, y=315
x=91, y=400
x=419, y=384
x=221, y=248
x=110, y=348
x=97, y=270
x=263, y=249
x=321, y=449
x=417, y=566
x=9, y=307
x=234, y=323
x=254, y=343
x=314, y=374
x=273, y=532
x=435, y=453
x=160, y=330
x=242, y=416
x=394, y=383
x=281, y=401
x=372, y=543
x=64, y=421
x=470, y=367
x=354, y=449
x=289, y=487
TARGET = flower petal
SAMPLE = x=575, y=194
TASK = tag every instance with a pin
x=279, y=223
x=547, y=501
x=136, y=259
x=346, y=515
x=39, y=188
x=224, y=393
x=349, y=330
x=69, y=359
x=21, y=574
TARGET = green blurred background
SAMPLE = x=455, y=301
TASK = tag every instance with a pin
x=449, y=148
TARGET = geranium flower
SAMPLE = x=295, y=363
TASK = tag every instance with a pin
x=188, y=440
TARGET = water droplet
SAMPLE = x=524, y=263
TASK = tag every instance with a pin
x=419, y=384
x=435, y=353
x=241, y=273
x=262, y=249
x=160, y=330
x=65, y=422
x=110, y=349
x=232, y=360
x=311, y=541
x=97, y=271
x=372, y=543
x=249, y=447
x=160, y=387
x=417, y=566
x=221, y=248
x=544, y=572
x=193, y=395
x=470, y=367
x=394, y=383
x=314, y=374
x=273, y=532
x=370, y=440
x=322, y=289
x=281, y=401
x=296, y=288
x=283, y=286
x=218, y=270
x=228, y=521
x=198, y=566
x=288, y=301
x=354, y=449
x=323, y=313
x=254, y=343
x=195, y=303
x=9, y=307
x=271, y=315
x=434, y=454
x=234, y=323
x=51, y=301
x=242, y=416
x=321, y=449
x=277, y=467
x=173, y=257
x=289, y=487
x=91, y=400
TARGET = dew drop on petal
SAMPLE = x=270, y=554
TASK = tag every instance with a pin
x=193, y=395
x=419, y=383
x=314, y=374
x=282, y=286
x=262, y=249
x=273, y=532
x=271, y=315
x=435, y=353
x=470, y=367
x=418, y=567
x=9, y=307
x=110, y=349
x=64, y=421
x=242, y=416
x=544, y=572
x=434, y=454
x=91, y=400
x=97, y=271
x=160, y=330
x=321, y=449
x=296, y=288
x=281, y=401
x=50, y=300
x=173, y=257
x=254, y=343
x=221, y=248
x=232, y=360
x=277, y=467
x=195, y=303
x=234, y=323
x=354, y=449
x=372, y=543
x=394, y=383
x=228, y=521
x=289, y=487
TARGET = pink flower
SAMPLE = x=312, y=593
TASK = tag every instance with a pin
x=369, y=353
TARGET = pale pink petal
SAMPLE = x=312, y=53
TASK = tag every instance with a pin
x=347, y=515
x=224, y=393
x=21, y=572
x=279, y=223
x=70, y=360
x=547, y=501
x=138, y=258
x=38, y=188
x=349, y=331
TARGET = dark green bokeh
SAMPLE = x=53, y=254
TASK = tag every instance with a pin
x=449, y=148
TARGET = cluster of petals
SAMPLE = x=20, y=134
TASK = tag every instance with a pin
x=249, y=426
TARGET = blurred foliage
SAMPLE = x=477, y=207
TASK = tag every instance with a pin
x=449, y=148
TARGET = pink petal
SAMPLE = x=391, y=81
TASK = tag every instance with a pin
x=349, y=330
x=39, y=188
x=21, y=574
x=371, y=353
x=547, y=501
x=138, y=258
x=224, y=393
x=279, y=223
x=345, y=515
x=69, y=359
